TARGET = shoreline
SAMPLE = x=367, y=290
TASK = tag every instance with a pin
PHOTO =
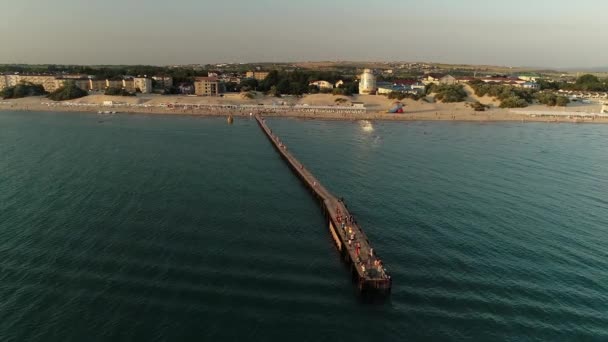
x=456, y=115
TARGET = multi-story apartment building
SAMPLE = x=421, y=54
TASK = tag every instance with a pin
x=163, y=82
x=258, y=75
x=98, y=85
x=81, y=82
x=114, y=84
x=3, y=82
x=143, y=84
x=206, y=86
x=49, y=82
x=128, y=84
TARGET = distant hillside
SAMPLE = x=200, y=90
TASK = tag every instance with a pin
x=592, y=69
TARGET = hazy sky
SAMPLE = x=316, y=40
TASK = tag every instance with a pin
x=554, y=33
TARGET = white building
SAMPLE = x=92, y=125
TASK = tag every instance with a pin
x=604, y=108
x=432, y=78
x=367, y=83
x=322, y=84
x=530, y=85
x=529, y=78
x=144, y=84
x=448, y=79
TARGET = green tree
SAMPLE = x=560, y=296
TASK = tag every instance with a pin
x=23, y=89
x=297, y=88
x=248, y=84
x=272, y=79
x=478, y=106
x=396, y=95
x=335, y=91
x=587, y=79
x=513, y=102
x=448, y=93
x=590, y=82
x=284, y=86
x=68, y=91
x=112, y=91
x=351, y=88
x=548, y=85
x=562, y=101
x=274, y=92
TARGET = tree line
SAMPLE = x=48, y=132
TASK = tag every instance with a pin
x=516, y=97
x=23, y=89
x=585, y=82
x=296, y=82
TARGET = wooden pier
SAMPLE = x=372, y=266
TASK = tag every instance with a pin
x=366, y=267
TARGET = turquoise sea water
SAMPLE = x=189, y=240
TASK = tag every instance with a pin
x=160, y=228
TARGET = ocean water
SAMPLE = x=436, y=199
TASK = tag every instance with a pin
x=176, y=228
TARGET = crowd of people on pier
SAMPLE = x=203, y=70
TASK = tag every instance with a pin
x=369, y=264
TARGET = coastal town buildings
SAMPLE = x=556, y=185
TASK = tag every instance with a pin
x=206, y=86
x=143, y=84
x=3, y=82
x=415, y=85
x=114, y=84
x=49, y=82
x=82, y=83
x=432, y=78
x=448, y=79
x=54, y=82
x=529, y=77
x=367, y=83
x=230, y=78
x=435, y=78
x=385, y=88
x=258, y=75
x=210, y=86
x=322, y=84
x=162, y=82
x=98, y=85
x=185, y=88
x=530, y=85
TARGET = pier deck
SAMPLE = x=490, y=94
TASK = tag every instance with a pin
x=366, y=266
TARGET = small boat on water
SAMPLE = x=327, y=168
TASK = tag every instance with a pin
x=230, y=119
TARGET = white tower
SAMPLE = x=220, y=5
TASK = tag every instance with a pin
x=367, y=84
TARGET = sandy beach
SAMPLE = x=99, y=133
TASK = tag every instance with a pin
x=304, y=107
